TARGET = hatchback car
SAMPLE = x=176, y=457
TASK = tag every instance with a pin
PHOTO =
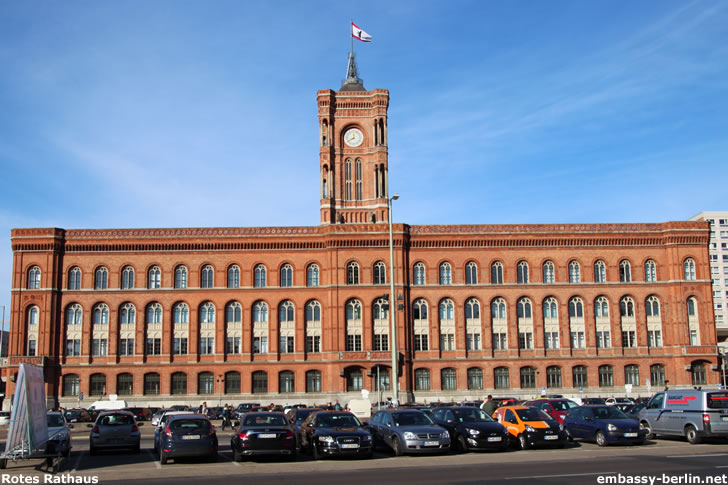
x=59, y=435
x=471, y=429
x=162, y=425
x=604, y=424
x=408, y=431
x=186, y=436
x=115, y=429
x=264, y=434
x=335, y=433
x=556, y=408
x=530, y=427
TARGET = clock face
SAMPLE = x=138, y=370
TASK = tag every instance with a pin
x=353, y=137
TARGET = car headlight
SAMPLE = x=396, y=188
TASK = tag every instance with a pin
x=561, y=427
x=473, y=432
x=409, y=435
x=366, y=437
x=326, y=439
x=445, y=434
x=611, y=427
x=530, y=429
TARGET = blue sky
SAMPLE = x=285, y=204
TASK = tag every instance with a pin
x=192, y=113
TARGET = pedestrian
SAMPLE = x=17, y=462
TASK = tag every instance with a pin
x=225, y=416
x=489, y=405
x=203, y=408
x=337, y=406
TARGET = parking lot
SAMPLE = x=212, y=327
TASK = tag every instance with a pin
x=578, y=460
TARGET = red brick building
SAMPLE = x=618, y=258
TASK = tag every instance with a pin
x=291, y=314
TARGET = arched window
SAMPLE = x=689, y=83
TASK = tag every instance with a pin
x=579, y=375
x=207, y=277
x=154, y=278
x=475, y=378
x=359, y=181
x=286, y=382
x=286, y=275
x=233, y=328
x=501, y=379
x=553, y=376
x=33, y=315
x=180, y=277
x=574, y=272
x=286, y=327
x=313, y=381
x=550, y=323
x=601, y=307
x=419, y=274
x=181, y=313
x=525, y=324
x=233, y=276
x=233, y=312
x=127, y=278
x=697, y=371
x=445, y=274
x=447, y=309
x=100, y=314
x=74, y=314
x=97, y=385
x=179, y=383
x=125, y=384
x=71, y=385
x=260, y=328
x=353, y=326
x=312, y=275
x=352, y=273
x=498, y=308
x=692, y=307
x=472, y=309
x=625, y=271
x=632, y=375
x=447, y=325
x=380, y=271
x=652, y=306
x=101, y=278
x=313, y=327
x=650, y=271
x=657, y=375
x=550, y=308
x=449, y=379
x=421, y=325
x=205, y=383
x=522, y=272
x=576, y=307
x=259, y=276
x=422, y=380
x=528, y=377
x=549, y=273
x=232, y=382
x=471, y=273
x=34, y=278
x=473, y=340
x=600, y=272
x=496, y=273
x=626, y=307
x=207, y=312
x=689, y=269
x=693, y=321
x=354, y=379
x=151, y=384
x=380, y=314
x=348, y=179
x=524, y=308
x=74, y=278
x=605, y=376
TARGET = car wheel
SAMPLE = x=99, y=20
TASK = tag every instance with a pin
x=395, y=447
x=646, y=426
x=523, y=441
x=601, y=439
x=3, y=463
x=162, y=458
x=462, y=444
x=315, y=452
x=568, y=435
x=692, y=435
x=237, y=456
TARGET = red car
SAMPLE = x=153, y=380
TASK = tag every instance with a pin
x=556, y=408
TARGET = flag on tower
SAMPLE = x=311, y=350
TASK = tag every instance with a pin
x=358, y=33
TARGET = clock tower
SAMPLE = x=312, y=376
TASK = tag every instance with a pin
x=353, y=160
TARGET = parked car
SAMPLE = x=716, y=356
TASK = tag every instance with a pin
x=246, y=406
x=180, y=407
x=530, y=427
x=59, y=434
x=115, y=429
x=77, y=415
x=140, y=414
x=505, y=401
x=588, y=401
x=471, y=429
x=693, y=413
x=158, y=415
x=613, y=401
x=604, y=424
x=186, y=436
x=556, y=408
x=408, y=431
x=632, y=410
x=335, y=433
x=162, y=425
x=4, y=417
x=214, y=412
x=265, y=433
x=297, y=416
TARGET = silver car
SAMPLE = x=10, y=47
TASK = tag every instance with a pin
x=115, y=429
x=408, y=431
x=59, y=435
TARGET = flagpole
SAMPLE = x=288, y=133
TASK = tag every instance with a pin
x=351, y=26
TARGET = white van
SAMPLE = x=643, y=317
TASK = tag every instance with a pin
x=107, y=404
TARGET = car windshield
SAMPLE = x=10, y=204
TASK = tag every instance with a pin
x=471, y=415
x=265, y=420
x=563, y=405
x=411, y=419
x=54, y=420
x=302, y=415
x=532, y=414
x=73, y=414
x=608, y=412
x=201, y=425
x=116, y=420
x=337, y=421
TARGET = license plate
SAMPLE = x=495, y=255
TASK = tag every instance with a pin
x=630, y=435
x=494, y=438
x=349, y=445
x=267, y=435
x=550, y=437
x=432, y=443
x=191, y=437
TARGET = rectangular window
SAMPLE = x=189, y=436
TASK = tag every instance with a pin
x=500, y=341
x=286, y=345
x=603, y=340
x=232, y=345
x=473, y=341
x=628, y=338
x=714, y=257
x=99, y=346
x=381, y=343
x=714, y=270
x=577, y=340
x=154, y=346
x=654, y=338
x=525, y=340
x=551, y=340
x=260, y=345
x=73, y=347
x=207, y=345
x=447, y=342
x=693, y=337
x=126, y=346
x=31, y=348
x=353, y=343
x=313, y=343
x=716, y=294
x=179, y=346
x=421, y=343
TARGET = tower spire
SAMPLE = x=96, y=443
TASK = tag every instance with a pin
x=352, y=81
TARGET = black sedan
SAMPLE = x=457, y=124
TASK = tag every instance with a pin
x=263, y=434
x=471, y=429
x=334, y=433
x=297, y=416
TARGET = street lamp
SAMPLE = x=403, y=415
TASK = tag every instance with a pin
x=393, y=307
x=220, y=383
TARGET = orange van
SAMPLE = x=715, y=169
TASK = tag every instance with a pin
x=530, y=427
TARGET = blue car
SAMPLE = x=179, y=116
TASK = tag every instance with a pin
x=186, y=436
x=603, y=424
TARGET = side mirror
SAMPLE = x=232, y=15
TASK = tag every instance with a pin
x=389, y=425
